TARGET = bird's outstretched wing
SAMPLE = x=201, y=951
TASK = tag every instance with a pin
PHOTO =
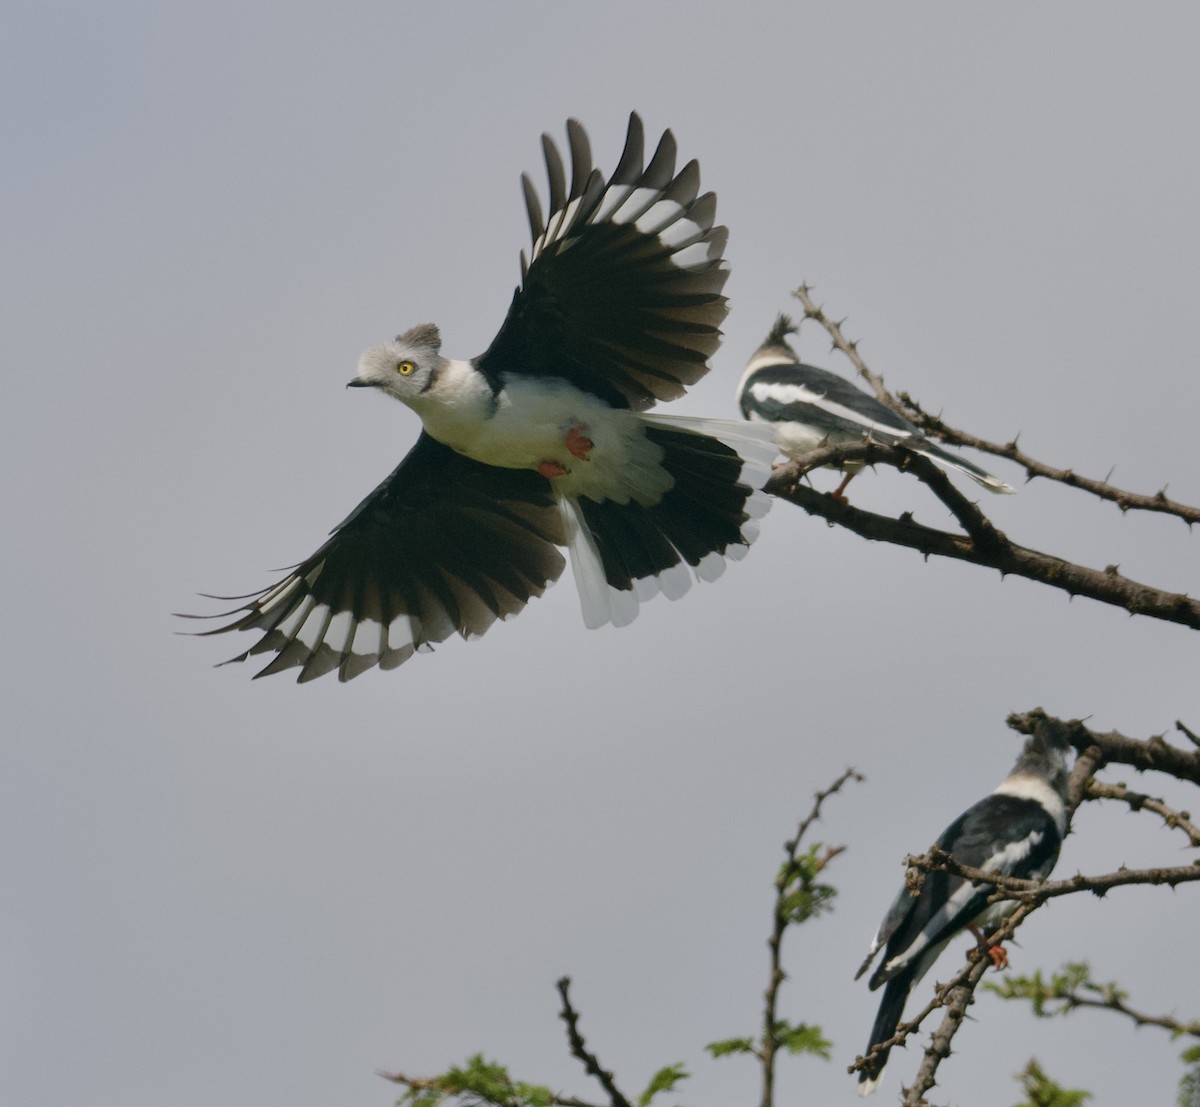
x=621, y=295
x=444, y=545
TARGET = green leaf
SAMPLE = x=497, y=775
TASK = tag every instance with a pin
x=1054, y=996
x=730, y=1046
x=663, y=1081
x=479, y=1082
x=1044, y=1092
x=1189, y=1089
x=802, y=1038
x=800, y=896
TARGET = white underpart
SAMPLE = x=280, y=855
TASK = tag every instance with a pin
x=529, y=425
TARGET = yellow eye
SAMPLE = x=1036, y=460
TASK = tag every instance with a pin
x=405, y=368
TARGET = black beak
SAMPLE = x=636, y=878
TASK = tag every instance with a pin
x=358, y=382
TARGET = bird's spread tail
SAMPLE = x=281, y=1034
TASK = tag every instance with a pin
x=625, y=553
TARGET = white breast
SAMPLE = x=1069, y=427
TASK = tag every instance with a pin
x=528, y=424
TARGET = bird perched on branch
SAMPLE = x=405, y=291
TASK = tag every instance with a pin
x=542, y=440
x=1016, y=831
x=810, y=407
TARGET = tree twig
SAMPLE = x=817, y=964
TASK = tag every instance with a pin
x=1125, y=500
x=1137, y=801
x=982, y=545
x=781, y=918
x=907, y=407
x=579, y=1048
x=1034, y=891
x=958, y=1000
x=1115, y=748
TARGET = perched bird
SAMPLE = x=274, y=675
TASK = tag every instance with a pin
x=810, y=407
x=1016, y=831
x=541, y=441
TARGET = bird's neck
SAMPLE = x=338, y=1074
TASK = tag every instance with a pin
x=455, y=405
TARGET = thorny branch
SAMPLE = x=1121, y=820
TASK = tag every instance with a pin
x=579, y=1047
x=904, y=405
x=1095, y=750
x=782, y=916
x=955, y=995
x=1072, y=989
x=1126, y=501
x=1112, y=747
x=958, y=999
x=1035, y=892
x=1138, y=801
x=981, y=543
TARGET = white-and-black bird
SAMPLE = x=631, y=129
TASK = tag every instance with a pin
x=1016, y=831
x=541, y=441
x=810, y=407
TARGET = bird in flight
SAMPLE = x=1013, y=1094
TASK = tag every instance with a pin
x=810, y=407
x=544, y=440
x=1015, y=831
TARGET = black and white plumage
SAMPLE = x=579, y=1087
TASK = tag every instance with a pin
x=541, y=441
x=1016, y=831
x=809, y=407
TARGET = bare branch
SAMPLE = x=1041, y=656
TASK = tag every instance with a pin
x=907, y=407
x=958, y=998
x=579, y=1047
x=977, y=963
x=1137, y=801
x=1193, y=738
x=1033, y=891
x=850, y=349
x=1114, y=748
x=1126, y=501
x=982, y=545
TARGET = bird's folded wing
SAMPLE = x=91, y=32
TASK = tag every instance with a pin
x=807, y=394
x=444, y=545
x=622, y=291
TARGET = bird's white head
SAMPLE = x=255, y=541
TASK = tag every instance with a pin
x=405, y=368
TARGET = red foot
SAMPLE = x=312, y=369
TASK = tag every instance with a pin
x=552, y=469
x=839, y=493
x=997, y=953
x=579, y=445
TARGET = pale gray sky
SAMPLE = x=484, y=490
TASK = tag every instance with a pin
x=219, y=891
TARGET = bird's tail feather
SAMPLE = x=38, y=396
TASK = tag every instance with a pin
x=962, y=465
x=891, y=1010
x=623, y=554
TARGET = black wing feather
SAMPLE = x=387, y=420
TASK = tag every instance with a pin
x=445, y=541
x=605, y=304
